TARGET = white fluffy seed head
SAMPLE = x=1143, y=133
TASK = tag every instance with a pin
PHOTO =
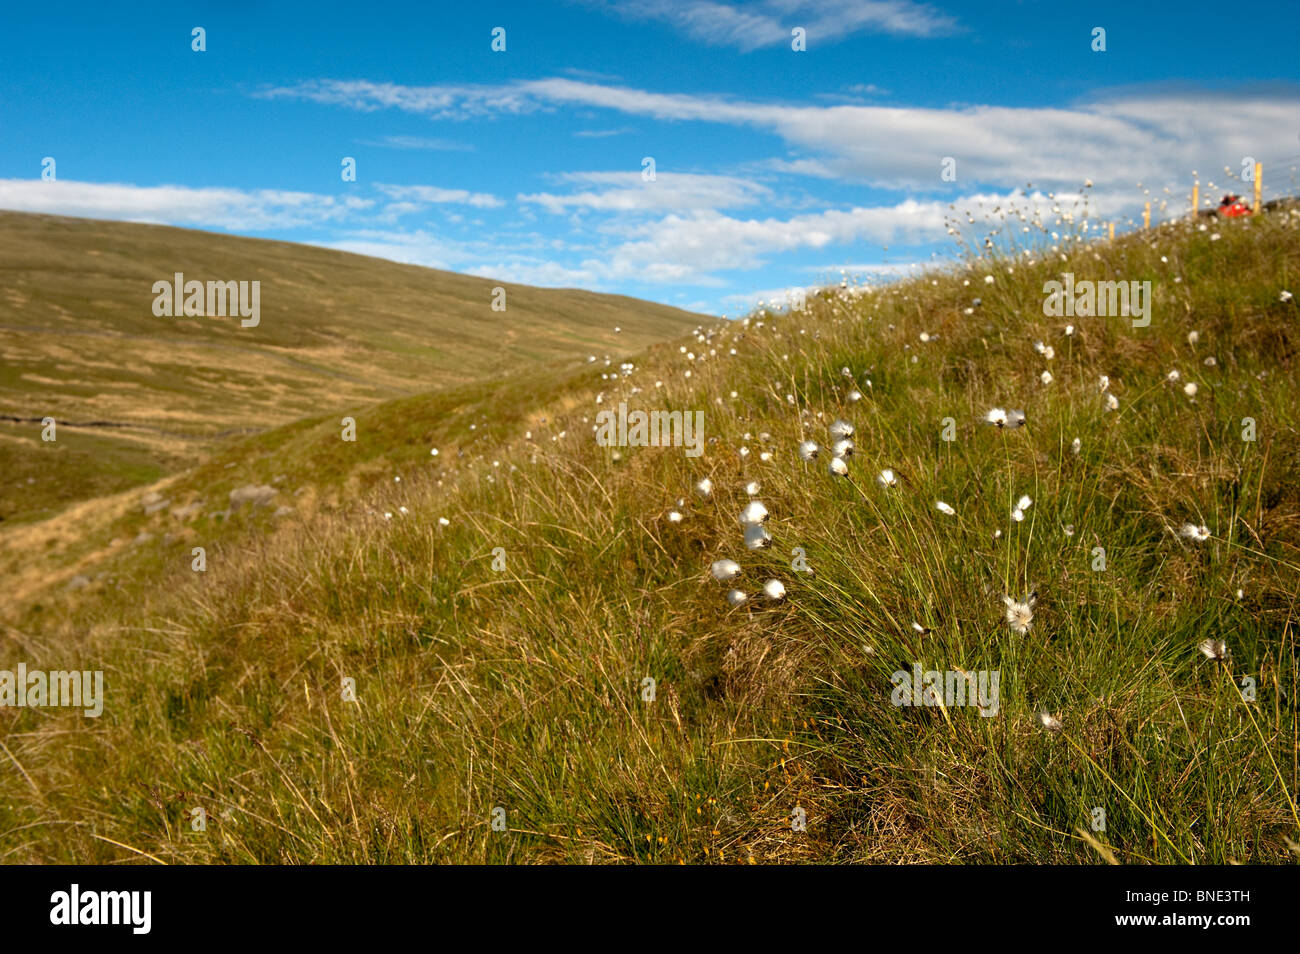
x=1049, y=722
x=808, y=450
x=1215, y=649
x=841, y=428
x=774, y=590
x=757, y=537
x=1019, y=615
x=725, y=570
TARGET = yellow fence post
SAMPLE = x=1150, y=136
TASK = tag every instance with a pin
x=1196, y=198
x=1112, y=231
x=1146, y=216
x=1259, y=184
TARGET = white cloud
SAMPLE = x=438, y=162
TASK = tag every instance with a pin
x=602, y=133
x=418, y=142
x=681, y=247
x=234, y=209
x=433, y=195
x=1115, y=141
x=669, y=191
x=761, y=23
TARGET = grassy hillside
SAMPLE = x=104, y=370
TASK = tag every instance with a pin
x=499, y=608
x=337, y=332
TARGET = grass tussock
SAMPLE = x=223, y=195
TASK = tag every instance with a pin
x=500, y=660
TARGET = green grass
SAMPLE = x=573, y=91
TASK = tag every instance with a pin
x=520, y=688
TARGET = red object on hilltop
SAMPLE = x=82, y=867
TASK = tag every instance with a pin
x=1233, y=207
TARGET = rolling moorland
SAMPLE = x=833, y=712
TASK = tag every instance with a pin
x=79, y=342
x=390, y=649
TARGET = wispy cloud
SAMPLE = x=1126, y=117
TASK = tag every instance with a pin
x=602, y=133
x=630, y=192
x=419, y=142
x=433, y=195
x=236, y=210
x=253, y=210
x=1115, y=141
x=752, y=25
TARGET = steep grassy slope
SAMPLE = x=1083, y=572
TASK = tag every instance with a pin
x=499, y=659
x=79, y=342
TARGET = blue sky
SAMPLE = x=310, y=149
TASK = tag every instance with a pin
x=773, y=168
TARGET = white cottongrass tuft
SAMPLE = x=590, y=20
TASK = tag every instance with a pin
x=1003, y=418
x=757, y=537
x=842, y=448
x=1019, y=615
x=774, y=590
x=1112, y=402
x=753, y=487
x=808, y=450
x=725, y=570
x=887, y=478
x=841, y=429
x=1190, y=531
x=754, y=512
x=704, y=487
x=674, y=516
x=736, y=597
x=1215, y=649
x=942, y=507
x=1046, y=377
x=1049, y=722
x=1190, y=389
x=838, y=468
x=1076, y=445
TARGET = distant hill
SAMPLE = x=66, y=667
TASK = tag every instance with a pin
x=336, y=332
